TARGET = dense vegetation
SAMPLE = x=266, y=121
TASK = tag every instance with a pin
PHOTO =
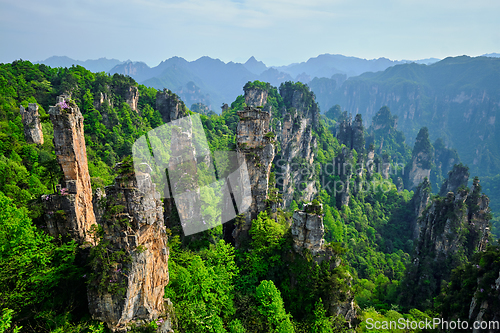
x=214, y=287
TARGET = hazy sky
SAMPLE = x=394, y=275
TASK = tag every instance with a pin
x=276, y=32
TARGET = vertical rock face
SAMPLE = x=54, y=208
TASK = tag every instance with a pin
x=130, y=289
x=485, y=308
x=457, y=178
x=99, y=100
x=132, y=97
x=345, y=171
x=255, y=97
x=70, y=213
x=307, y=233
x=170, y=106
x=451, y=228
x=350, y=133
x=257, y=146
x=420, y=200
x=422, y=158
x=297, y=144
x=308, y=229
x=32, y=125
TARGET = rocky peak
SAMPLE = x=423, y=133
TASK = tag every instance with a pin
x=422, y=157
x=420, y=201
x=129, y=287
x=308, y=229
x=254, y=141
x=70, y=212
x=132, y=97
x=170, y=106
x=450, y=229
x=298, y=97
x=458, y=177
x=32, y=125
x=297, y=142
x=384, y=120
x=99, y=100
x=350, y=132
x=255, y=97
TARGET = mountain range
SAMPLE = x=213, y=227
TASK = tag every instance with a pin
x=216, y=82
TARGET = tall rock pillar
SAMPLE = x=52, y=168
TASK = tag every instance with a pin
x=32, y=125
x=253, y=141
x=70, y=212
x=127, y=286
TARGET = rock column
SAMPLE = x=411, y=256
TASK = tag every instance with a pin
x=70, y=212
x=32, y=126
x=257, y=146
x=127, y=287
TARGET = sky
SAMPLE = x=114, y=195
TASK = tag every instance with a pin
x=276, y=32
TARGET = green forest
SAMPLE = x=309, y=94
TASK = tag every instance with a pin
x=263, y=285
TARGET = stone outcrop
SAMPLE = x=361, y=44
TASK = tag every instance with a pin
x=255, y=97
x=345, y=166
x=298, y=144
x=132, y=97
x=486, y=308
x=70, y=212
x=458, y=177
x=308, y=229
x=422, y=157
x=129, y=287
x=307, y=233
x=350, y=133
x=99, y=100
x=32, y=125
x=451, y=228
x=420, y=201
x=170, y=106
x=254, y=142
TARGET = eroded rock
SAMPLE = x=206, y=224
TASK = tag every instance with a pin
x=70, y=212
x=32, y=125
x=170, y=106
x=255, y=143
x=127, y=287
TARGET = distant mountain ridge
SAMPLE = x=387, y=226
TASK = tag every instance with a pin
x=96, y=65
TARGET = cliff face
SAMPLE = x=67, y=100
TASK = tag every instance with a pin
x=297, y=144
x=258, y=149
x=71, y=212
x=170, y=106
x=457, y=178
x=307, y=233
x=308, y=229
x=420, y=200
x=450, y=230
x=32, y=125
x=130, y=263
x=132, y=97
x=422, y=157
x=350, y=133
x=255, y=97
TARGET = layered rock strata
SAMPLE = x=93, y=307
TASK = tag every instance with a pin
x=70, y=212
x=254, y=142
x=132, y=97
x=308, y=229
x=130, y=264
x=450, y=229
x=170, y=106
x=32, y=125
x=298, y=144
